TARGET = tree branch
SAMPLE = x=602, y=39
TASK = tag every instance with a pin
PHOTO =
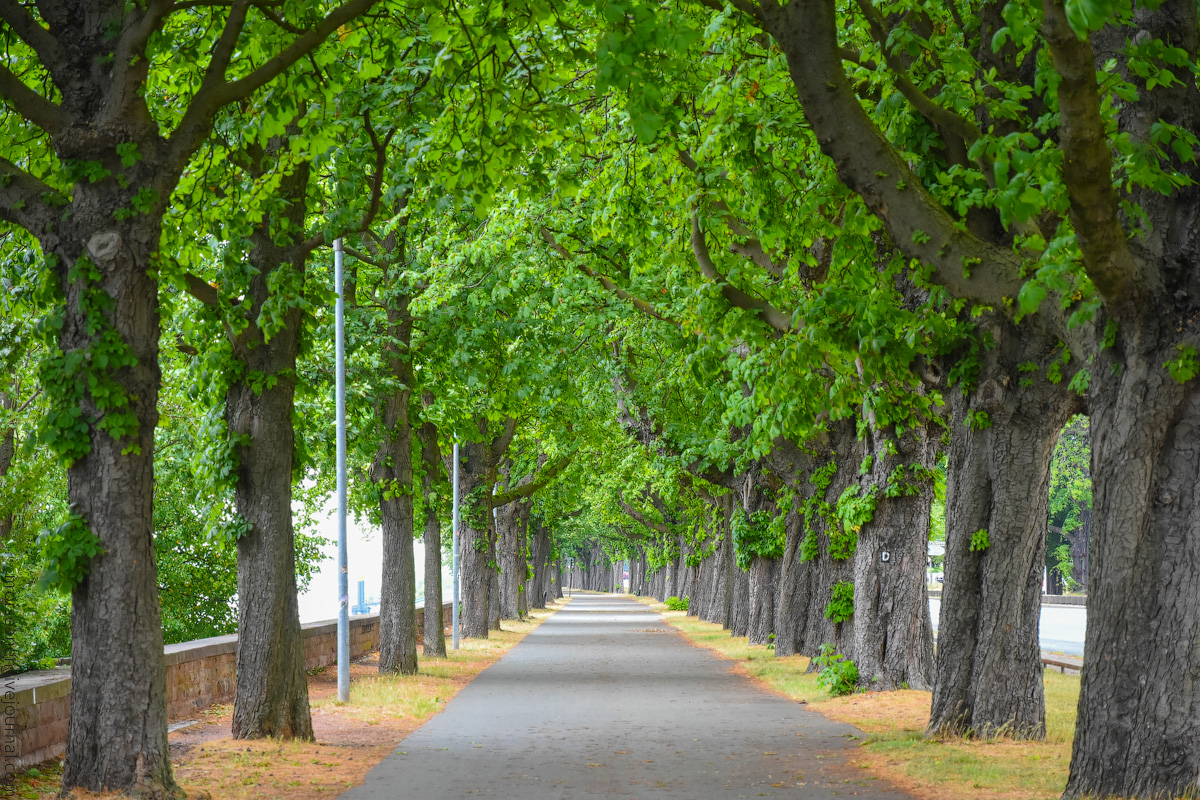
x=215, y=92
x=866, y=162
x=941, y=118
x=48, y=116
x=130, y=66
x=639, y=517
x=646, y=432
x=772, y=316
x=47, y=48
x=26, y=200
x=200, y=290
x=544, y=476
x=1087, y=167
x=361, y=256
x=500, y=444
x=609, y=284
x=752, y=248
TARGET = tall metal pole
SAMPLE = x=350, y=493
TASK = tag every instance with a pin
x=343, y=625
x=454, y=555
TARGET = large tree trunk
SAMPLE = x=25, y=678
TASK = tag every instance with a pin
x=539, y=555
x=826, y=573
x=829, y=567
x=893, y=635
x=639, y=584
x=511, y=521
x=1080, y=544
x=393, y=472
x=761, y=617
x=522, y=577
x=8, y=448
x=271, y=696
x=477, y=549
x=117, y=735
x=474, y=546
x=739, y=624
x=795, y=590
x=493, y=597
x=434, y=633
x=793, y=467
x=1138, y=729
x=556, y=580
x=989, y=667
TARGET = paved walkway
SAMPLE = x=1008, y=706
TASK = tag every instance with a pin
x=605, y=700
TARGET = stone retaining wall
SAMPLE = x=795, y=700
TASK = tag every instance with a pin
x=37, y=705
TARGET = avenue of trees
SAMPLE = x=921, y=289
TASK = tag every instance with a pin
x=752, y=296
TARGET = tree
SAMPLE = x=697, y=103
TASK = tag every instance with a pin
x=1053, y=205
x=1071, y=502
x=103, y=152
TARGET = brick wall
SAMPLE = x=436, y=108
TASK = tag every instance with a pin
x=200, y=673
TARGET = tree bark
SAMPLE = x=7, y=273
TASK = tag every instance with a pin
x=474, y=548
x=761, y=620
x=795, y=591
x=826, y=571
x=1079, y=541
x=271, y=695
x=494, y=596
x=392, y=471
x=1138, y=730
x=556, y=578
x=539, y=552
x=117, y=735
x=477, y=550
x=522, y=577
x=8, y=448
x=893, y=635
x=740, y=618
x=989, y=669
x=511, y=522
x=434, y=633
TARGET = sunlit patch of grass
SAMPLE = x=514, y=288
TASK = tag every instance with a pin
x=895, y=746
x=1062, y=701
x=419, y=696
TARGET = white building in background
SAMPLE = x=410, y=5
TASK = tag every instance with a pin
x=365, y=555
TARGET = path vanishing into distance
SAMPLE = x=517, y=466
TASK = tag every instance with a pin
x=606, y=700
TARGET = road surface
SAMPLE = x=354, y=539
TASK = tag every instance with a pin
x=605, y=700
x=1061, y=629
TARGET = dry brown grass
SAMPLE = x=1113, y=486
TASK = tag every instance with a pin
x=350, y=738
x=894, y=746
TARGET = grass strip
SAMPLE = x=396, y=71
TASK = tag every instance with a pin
x=894, y=746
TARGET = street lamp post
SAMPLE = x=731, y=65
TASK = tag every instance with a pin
x=343, y=623
x=454, y=556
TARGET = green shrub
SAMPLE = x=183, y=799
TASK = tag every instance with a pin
x=841, y=602
x=677, y=604
x=757, y=535
x=837, y=675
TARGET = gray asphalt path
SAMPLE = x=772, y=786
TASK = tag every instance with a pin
x=605, y=700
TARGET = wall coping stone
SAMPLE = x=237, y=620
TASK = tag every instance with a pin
x=41, y=685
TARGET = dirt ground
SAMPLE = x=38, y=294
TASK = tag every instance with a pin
x=350, y=738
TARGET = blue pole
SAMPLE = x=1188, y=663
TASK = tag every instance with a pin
x=343, y=625
x=454, y=555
